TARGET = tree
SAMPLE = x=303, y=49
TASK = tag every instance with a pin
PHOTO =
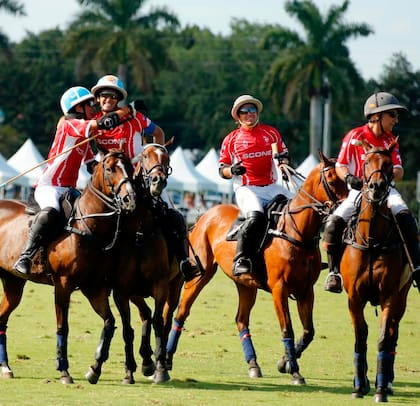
x=313, y=67
x=13, y=7
x=112, y=35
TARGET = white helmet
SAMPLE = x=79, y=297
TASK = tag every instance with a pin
x=244, y=99
x=110, y=82
x=74, y=96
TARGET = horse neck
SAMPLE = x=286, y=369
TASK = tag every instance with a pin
x=304, y=219
x=374, y=222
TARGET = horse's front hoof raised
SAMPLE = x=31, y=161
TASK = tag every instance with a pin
x=66, y=378
x=148, y=369
x=283, y=365
x=92, y=376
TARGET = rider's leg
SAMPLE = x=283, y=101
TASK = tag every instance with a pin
x=39, y=233
x=250, y=237
x=333, y=235
x=177, y=237
x=410, y=234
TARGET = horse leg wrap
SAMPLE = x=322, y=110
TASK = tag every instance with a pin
x=360, y=370
x=174, y=337
x=385, y=361
x=3, y=347
x=102, y=350
x=289, y=347
x=247, y=345
x=62, y=360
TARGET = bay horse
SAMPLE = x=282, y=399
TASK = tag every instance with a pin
x=292, y=260
x=76, y=259
x=146, y=268
x=373, y=270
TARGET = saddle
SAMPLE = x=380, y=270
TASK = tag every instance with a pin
x=271, y=211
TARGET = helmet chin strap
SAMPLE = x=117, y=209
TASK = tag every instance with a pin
x=250, y=126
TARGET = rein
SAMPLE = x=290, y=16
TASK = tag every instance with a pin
x=114, y=204
x=323, y=209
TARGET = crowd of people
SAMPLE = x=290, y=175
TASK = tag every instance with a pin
x=246, y=157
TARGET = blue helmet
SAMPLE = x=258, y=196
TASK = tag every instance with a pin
x=74, y=96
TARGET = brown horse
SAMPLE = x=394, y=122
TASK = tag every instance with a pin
x=74, y=260
x=146, y=268
x=292, y=260
x=373, y=270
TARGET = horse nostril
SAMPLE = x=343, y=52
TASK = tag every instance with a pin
x=155, y=179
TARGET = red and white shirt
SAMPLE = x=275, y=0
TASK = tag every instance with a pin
x=252, y=146
x=130, y=132
x=353, y=156
x=64, y=169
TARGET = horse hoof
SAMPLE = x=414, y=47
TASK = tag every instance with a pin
x=357, y=395
x=92, y=376
x=169, y=362
x=380, y=398
x=149, y=369
x=161, y=377
x=389, y=390
x=255, y=372
x=128, y=380
x=7, y=373
x=298, y=379
x=283, y=365
x=66, y=380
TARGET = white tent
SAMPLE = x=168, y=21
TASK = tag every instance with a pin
x=307, y=165
x=185, y=176
x=27, y=157
x=209, y=168
x=7, y=172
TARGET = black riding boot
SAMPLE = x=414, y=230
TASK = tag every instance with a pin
x=410, y=232
x=38, y=234
x=333, y=235
x=250, y=237
x=178, y=240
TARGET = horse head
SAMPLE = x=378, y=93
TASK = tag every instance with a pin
x=377, y=172
x=154, y=167
x=112, y=180
x=324, y=186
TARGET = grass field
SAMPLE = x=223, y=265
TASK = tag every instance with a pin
x=209, y=367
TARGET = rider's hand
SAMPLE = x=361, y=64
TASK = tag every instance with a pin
x=353, y=181
x=237, y=169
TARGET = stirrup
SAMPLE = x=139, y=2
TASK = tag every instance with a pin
x=242, y=265
x=188, y=270
x=334, y=283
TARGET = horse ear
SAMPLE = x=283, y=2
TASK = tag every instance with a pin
x=323, y=158
x=169, y=142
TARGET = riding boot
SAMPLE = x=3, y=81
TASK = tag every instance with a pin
x=38, y=234
x=250, y=238
x=178, y=240
x=333, y=235
x=410, y=234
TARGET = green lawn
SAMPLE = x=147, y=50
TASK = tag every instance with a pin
x=209, y=367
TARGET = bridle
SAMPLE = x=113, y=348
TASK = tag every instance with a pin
x=116, y=203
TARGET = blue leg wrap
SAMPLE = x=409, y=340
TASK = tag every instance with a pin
x=360, y=370
x=174, y=337
x=3, y=347
x=102, y=351
x=289, y=347
x=62, y=360
x=385, y=360
x=247, y=345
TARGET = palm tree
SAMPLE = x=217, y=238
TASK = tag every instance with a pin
x=112, y=35
x=315, y=67
x=13, y=7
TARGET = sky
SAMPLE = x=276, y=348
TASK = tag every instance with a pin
x=396, y=24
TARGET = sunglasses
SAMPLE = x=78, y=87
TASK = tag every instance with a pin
x=245, y=110
x=108, y=96
x=392, y=114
